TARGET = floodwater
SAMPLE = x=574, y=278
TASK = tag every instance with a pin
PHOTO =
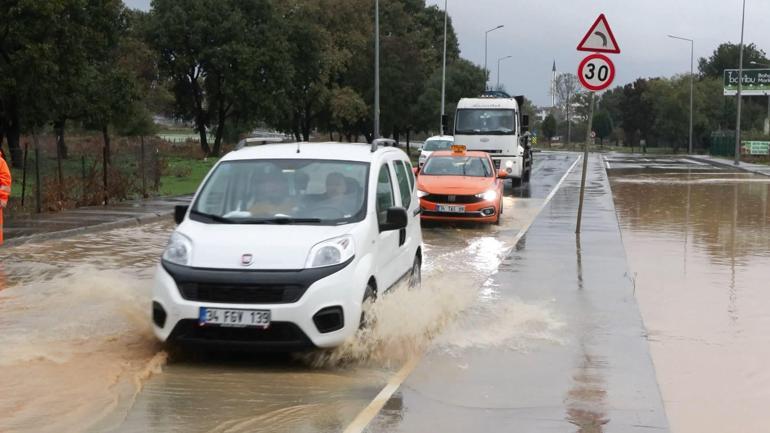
x=77, y=352
x=698, y=244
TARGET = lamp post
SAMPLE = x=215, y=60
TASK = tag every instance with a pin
x=740, y=87
x=443, y=75
x=692, y=44
x=767, y=121
x=376, y=69
x=498, y=69
x=486, y=34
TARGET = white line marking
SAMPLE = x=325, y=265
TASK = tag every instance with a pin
x=606, y=162
x=692, y=161
x=374, y=407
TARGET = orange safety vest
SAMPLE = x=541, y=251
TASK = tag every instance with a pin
x=5, y=191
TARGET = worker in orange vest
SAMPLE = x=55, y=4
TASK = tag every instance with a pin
x=5, y=189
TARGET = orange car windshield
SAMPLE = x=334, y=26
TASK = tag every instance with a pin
x=457, y=166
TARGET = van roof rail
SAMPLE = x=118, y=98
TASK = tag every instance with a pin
x=382, y=142
x=257, y=140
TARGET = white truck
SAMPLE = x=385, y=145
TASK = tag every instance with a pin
x=493, y=123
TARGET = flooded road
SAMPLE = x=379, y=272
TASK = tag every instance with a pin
x=698, y=243
x=77, y=352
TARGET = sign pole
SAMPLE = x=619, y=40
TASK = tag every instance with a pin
x=585, y=162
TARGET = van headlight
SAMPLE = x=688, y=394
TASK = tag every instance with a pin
x=421, y=193
x=487, y=195
x=178, y=250
x=331, y=252
x=509, y=163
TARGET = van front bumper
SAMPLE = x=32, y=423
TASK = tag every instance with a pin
x=294, y=298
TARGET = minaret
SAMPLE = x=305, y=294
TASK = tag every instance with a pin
x=553, y=84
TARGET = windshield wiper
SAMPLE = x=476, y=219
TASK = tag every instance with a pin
x=281, y=219
x=212, y=217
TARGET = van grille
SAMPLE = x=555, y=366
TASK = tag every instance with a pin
x=241, y=293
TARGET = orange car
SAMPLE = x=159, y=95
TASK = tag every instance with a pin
x=458, y=185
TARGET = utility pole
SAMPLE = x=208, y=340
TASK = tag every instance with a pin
x=443, y=75
x=486, y=71
x=740, y=87
x=376, y=69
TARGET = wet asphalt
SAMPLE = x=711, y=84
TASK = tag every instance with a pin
x=594, y=374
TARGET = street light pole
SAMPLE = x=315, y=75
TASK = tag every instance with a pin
x=692, y=62
x=376, y=69
x=740, y=87
x=443, y=72
x=498, y=69
x=486, y=34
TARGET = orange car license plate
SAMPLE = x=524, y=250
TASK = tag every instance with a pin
x=450, y=208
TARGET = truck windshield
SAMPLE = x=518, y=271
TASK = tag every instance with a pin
x=485, y=122
x=290, y=191
x=457, y=166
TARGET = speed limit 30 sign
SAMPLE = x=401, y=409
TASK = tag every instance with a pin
x=596, y=72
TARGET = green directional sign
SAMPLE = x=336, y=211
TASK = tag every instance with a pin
x=756, y=147
x=755, y=82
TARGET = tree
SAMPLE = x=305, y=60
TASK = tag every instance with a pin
x=227, y=59
x=463, y=79
x=602, y=125
x=725, y=56
x=549, y=127
x=566, y=87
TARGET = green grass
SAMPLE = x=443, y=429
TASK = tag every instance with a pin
x=184, y=175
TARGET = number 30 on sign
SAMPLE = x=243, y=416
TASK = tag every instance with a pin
x=596, y=72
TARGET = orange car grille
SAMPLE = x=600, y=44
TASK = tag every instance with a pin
x=461, y=199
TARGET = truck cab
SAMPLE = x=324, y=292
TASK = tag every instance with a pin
x=493, y=123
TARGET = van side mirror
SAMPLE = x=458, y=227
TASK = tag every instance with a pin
x=524, y=123
x=396, y=219
x=179, y=212
x=502, y=174
x=416, y=170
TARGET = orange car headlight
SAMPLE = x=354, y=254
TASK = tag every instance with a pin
x=487, y=195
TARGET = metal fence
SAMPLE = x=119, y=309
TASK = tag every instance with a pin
x=51, y=179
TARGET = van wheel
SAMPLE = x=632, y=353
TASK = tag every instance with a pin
x=370, y=295
x=415, y=277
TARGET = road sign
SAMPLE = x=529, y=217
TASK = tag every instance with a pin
x=756, y=147
x=756, y=82
x=599, y=38
x=596, y=72
x=593, y=134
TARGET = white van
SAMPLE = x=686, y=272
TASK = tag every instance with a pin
x=283, y=245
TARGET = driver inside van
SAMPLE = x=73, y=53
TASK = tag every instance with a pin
x=338, y=194
x=272, y=196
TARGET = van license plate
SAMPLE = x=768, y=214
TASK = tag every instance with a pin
x=234, y=318
x=450, y=208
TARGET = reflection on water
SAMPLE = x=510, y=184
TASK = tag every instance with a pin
x=699, y=244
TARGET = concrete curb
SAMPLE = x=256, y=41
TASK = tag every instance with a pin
x=728, y=164
x=121, y=223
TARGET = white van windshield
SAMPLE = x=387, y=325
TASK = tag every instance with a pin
x=289, y=191
x=485, y=122
x=438, y=145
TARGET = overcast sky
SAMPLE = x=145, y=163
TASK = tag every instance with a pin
x=538, y=31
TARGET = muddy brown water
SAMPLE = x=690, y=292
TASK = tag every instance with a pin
x=77, y=352
x=699, y=247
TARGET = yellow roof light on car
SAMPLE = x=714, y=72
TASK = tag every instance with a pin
x=458, y=148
